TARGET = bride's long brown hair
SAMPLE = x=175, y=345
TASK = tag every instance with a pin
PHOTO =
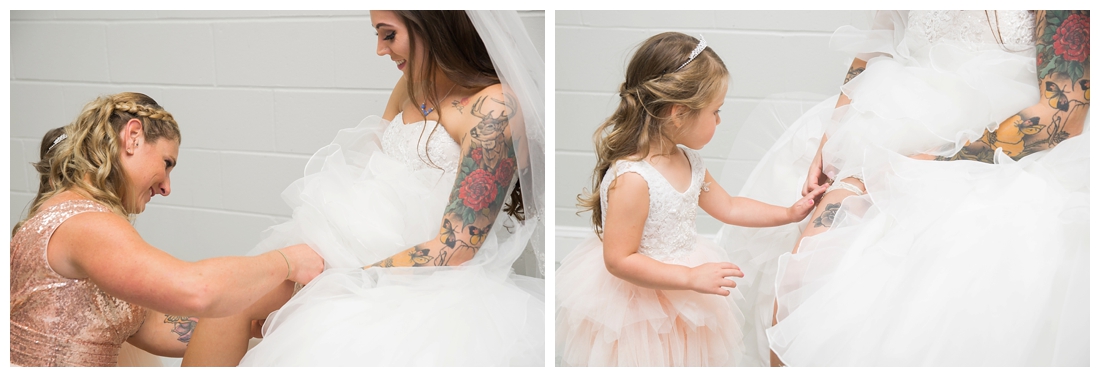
x=654, y=83
x=453, y=47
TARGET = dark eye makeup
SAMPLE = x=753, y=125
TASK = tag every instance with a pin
x=389, y=35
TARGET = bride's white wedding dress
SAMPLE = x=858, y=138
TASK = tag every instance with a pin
x=376, y=190
x=941, y=263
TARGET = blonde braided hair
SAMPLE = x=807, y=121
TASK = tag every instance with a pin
x=89, y=157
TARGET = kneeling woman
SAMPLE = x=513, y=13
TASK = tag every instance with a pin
x=82, y=279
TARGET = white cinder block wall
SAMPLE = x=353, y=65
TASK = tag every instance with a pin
x=255, y=93
x=767, y=52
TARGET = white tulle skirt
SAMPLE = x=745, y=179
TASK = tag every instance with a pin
x=358, y=205
x=941, y=263
x=975, y=264
x=603, y=320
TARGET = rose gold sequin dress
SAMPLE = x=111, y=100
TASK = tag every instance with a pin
x=56, y=321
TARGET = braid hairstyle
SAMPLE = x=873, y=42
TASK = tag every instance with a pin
x=653, y=85
x=89, y=158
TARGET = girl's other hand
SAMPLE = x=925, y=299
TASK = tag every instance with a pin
x=712, y=278
x=802, y=208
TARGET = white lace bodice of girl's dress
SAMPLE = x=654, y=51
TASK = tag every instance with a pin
x=669, y=233
x=420, y=145
x=1016, y=29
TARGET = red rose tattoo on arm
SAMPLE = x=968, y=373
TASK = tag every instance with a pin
x=485, y=173
x=478, y=190
x=1062, y=65
x=1070, y=40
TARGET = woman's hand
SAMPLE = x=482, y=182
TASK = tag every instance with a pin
x=712, y=278
x=802, y=208
x=815, y=178
x=305, y=264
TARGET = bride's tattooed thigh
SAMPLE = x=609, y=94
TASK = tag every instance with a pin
x=827, y=216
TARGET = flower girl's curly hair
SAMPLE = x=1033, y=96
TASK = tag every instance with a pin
x=656, y=79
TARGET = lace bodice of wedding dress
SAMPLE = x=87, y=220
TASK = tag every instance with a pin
x=420, y=145
x=669, y=233
x=1014, y=28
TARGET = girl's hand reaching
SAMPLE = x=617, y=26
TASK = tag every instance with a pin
x=712, y=278
x=802, y=208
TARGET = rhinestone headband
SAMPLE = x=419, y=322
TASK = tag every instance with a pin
x=57, y=140
x=698, y=49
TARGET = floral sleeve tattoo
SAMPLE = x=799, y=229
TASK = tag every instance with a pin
x=852, y=73
x=1062, y=62
x=857, y=67
x=182, y=326
x=485, y=173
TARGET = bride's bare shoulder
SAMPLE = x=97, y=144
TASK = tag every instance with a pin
x=490, y=105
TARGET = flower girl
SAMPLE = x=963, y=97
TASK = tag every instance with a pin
x=648, y=291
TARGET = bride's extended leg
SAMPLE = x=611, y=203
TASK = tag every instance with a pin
x=218, y=342
x=822, y=218
x=820, y=221
x=224, y=341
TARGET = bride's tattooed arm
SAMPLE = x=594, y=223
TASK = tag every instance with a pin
x=486, y=170
x=1062, y=59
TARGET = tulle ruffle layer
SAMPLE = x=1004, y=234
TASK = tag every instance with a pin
x=605, y=321
x=456, y=317
x=946, y=264
x=941, y=263
x=357, y=205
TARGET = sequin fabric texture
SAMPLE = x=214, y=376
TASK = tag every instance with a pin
x=56, y=321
